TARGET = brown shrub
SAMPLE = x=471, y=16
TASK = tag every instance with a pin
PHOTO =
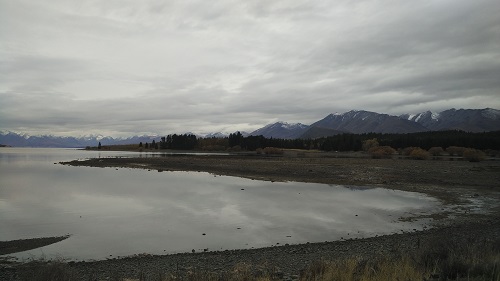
x=473, y=155
x=436, y=151
x=369, y=144
x=381, y=152
x=273, y=150
x=408, y=150
x=419, y=154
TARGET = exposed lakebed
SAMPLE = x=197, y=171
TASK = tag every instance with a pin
x=113, y=212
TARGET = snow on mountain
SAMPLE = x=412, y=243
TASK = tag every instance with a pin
x=471, y=120
x=281, y=130
x=92, y=137
x=425, y=119
x=435, y=116
x=491, y=113
x=24, y=140
x=361, y=121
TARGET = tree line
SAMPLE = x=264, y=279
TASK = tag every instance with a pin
x=342, y=142
x=425, y=140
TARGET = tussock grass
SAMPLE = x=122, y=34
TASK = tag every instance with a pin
x=356, y=269
x=438, y=260
x=468, y=260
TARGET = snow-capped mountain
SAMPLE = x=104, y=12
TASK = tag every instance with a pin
x=215, y=135
x=282, y=130
x=23, y=140
x=470, y=120
x=361, y=121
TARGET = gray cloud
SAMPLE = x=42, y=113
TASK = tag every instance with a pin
x=127, y=67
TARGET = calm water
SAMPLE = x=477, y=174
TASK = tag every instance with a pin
x=122, y=212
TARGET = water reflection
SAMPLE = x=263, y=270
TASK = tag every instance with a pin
x=125, y=211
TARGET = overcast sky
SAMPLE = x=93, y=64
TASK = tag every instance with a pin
x=139, y=67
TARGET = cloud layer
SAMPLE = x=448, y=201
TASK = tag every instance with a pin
x=132, y=67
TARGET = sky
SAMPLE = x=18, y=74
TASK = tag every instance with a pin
x=128, y=67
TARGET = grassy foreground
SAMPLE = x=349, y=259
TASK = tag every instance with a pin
x=437, y=260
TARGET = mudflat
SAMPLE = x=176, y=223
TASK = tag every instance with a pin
x=445, y=179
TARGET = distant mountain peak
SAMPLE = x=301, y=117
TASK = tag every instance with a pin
x=281, y=129
x=285, y=125
x=25, y=140
x=98, y=137
x=292, y=125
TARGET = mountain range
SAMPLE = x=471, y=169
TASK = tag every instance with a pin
x=23, y=140
x=361, y=121
x=354, y=121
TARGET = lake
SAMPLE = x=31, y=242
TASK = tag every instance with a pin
x=113, y=212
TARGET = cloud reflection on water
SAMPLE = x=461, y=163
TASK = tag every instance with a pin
x=127, y=211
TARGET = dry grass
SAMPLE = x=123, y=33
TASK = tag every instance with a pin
x=438, y=260
x=467, y=260
x=355, y=269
